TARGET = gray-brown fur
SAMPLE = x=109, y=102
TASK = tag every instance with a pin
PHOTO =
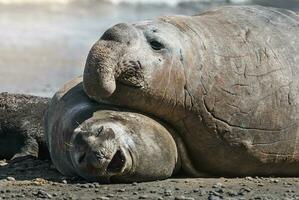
x=21, y=126
x=227, y=80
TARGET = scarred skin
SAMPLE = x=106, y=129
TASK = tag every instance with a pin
x=101, y=142
x=227, y=80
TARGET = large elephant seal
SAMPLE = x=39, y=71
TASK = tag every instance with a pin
x=227, y=80
x=101, y=142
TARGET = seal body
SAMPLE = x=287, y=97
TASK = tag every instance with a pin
x=227, y=80
x=101, y=142
x=21, y=126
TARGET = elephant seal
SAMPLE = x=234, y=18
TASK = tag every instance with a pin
x=21, y=126
x=226, y=80
x=101, y=142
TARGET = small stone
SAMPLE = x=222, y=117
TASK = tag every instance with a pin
x=104, y=198
x=121, y=190
x=143, y=197
x=135, y=193
x=134, y=183
x=219, y=190
x=167, y=193
x=183, y=198
x=217, y=185
x=213, y=197
x=64, y=181
x=249, y=178
x=232, y=193
x=260, y=184
x=42, y=194
x=3, y=163
x=109, y=195
x=84, y=186
x=10, y=178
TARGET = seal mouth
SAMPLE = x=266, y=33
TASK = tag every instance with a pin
x=117, y=163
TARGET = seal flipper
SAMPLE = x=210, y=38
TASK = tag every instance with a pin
x=184, y=159
x=30, y=149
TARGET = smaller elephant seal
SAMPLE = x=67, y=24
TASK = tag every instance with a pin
x=21, y=126
x=100, y=142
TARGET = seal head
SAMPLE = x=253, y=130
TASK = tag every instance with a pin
x=138, y=57
x=100, y=152
x=112, y=147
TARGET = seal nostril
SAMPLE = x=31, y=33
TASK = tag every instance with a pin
x=117, y=163
x=81, y=158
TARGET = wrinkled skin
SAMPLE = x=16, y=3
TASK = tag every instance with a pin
x=227, y=80
x=100, y=142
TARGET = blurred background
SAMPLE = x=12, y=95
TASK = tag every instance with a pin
x=44, y=43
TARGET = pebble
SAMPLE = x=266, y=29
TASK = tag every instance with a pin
x=3, y=163
x=213, y=197
x=84, y=186
x=121, y=190
x=104, y=198
x=273, y=180
x=143, y=197
x=134, y=183
x=167, y=193
x=10, y=178
x=232, y=193
x=42, y=194
x=64, y=181
x=183, y=198
x=218, y=185
x=110, y=195
x=249, y=178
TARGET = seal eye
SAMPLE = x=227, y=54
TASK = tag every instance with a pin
x=156, y=45
x=99, y=131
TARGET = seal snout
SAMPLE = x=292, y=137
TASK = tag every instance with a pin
x=94, y=160
x=102, y=65
x=97, y=154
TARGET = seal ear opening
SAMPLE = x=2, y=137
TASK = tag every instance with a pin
x=117, y=163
